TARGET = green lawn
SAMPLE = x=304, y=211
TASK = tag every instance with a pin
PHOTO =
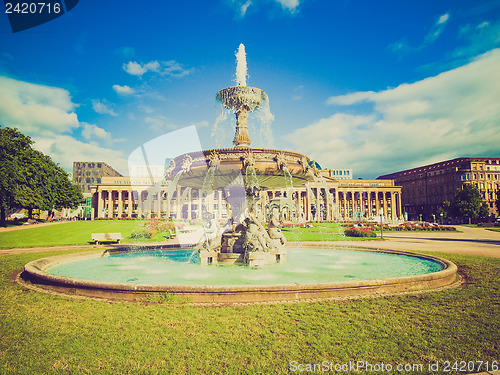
x=320, y=232
x=79, y=233
x=47, y=334
x=69, y=233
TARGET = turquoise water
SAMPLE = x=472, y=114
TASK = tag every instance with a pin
x=303, y=266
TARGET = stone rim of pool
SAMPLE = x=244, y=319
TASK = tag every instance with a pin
x=35, y=274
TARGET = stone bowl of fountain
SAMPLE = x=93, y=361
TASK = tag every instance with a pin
x=272, y=169
x=239, y=97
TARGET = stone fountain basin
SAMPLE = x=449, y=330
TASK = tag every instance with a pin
x=228, y=164
x=36, y=276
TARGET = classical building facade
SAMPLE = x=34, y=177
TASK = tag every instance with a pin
x=424, y=189
x=327, y=199
x=86, y=174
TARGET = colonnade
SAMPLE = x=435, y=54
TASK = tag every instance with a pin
x=337, y=204
x=312, y=203
x=117, y=202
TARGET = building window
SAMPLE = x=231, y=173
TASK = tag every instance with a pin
x=98, y=165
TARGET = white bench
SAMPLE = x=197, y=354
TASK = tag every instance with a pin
x=101, y=237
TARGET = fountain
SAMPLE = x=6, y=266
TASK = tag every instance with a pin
x=242, y=173
x=249, y=262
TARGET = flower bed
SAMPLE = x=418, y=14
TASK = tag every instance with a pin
x=153, y=227
x=360, y=232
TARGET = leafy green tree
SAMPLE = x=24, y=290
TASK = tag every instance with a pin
x=484, y=211
x=468, y=201
x=445, y=209
x=30, y=179
x=497, y=202
x=13, y=144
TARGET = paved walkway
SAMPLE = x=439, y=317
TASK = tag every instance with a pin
x=469, y=241
x=27, y=226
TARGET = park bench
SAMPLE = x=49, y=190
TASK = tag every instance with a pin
x=170, y=235
x=102, y=237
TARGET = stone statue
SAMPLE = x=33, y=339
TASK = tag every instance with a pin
x=255, y=237
x=210, y=238
x=274, y=227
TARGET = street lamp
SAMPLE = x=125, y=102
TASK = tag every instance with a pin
x=381, y=213
x=442, y=222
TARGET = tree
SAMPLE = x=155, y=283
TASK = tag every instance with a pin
x=484, y=211
x=497, y=202
x=444, y=211
x=13, y=144
x=30, y=179
x=467, y=202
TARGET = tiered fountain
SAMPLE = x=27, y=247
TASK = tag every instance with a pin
x=242, y=173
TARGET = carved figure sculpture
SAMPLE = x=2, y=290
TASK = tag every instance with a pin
x=274, y=227
x=210, y=238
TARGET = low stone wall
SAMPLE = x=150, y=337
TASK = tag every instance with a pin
x=35, y=274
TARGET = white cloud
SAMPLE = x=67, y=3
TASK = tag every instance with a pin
x=35, y=108
x=64, y=150
x=244, y=7
x=102, y=107
x=137, y=69
x=478, y=38
x=44, y=113
x=401, y=47
x=165, y=68
x=91, y=132
x=291, y=5
x=453, y=114
x=444, y=18
x=436, y=30
x=241, y=6
x=123, y=90
x=159, y=123
x=174, y=69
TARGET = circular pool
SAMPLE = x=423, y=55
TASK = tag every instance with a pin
x=308, y=273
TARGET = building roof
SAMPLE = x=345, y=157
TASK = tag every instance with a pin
x=443, y=164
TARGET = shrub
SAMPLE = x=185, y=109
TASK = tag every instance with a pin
x=360, y=232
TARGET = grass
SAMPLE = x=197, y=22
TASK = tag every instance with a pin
x=41, y=333
x=68, y=233
x=79, y=233
x=320, y=232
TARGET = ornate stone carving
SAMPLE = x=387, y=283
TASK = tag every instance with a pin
x=248, y=159
x=280, y=160
x=171, y=167
x=304, y=163
x=186, y=163
x=214, y=160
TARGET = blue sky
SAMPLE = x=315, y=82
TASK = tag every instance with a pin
x=373, y=86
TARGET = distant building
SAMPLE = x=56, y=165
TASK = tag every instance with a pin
x=338, y=174
x=154, y=171
x=86, y=173
x=424, y=189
